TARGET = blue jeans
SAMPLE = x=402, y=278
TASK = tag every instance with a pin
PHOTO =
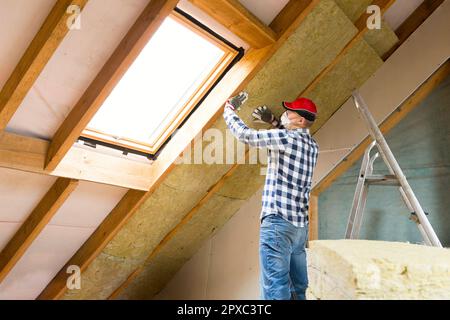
x=282, y=259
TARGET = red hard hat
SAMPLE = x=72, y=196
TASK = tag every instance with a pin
x=304, y=107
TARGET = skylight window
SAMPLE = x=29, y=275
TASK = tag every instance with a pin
x=172, y=73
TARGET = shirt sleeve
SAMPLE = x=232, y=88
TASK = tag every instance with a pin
x=274, y=139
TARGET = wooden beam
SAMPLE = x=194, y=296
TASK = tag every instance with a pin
x=423, y=11
x=34, y=224
x=413, y=101
x=313, y=216
x=35, y=58
x=287, y=15
x=235, y=17
x=95, y=244
x=28, y=154
x=235, y=80
x=361, y=24
x=113, y=70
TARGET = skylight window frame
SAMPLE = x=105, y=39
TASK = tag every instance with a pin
x=210, y=80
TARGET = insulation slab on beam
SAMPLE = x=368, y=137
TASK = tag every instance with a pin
x=364, y=269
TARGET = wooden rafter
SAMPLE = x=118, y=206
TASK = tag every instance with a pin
x=35, y=58
x=235, y=80
x=115, y=67
x=313, y=216
x=288, y=15
x=34, y=224
x=28, y=154
x=238, y=20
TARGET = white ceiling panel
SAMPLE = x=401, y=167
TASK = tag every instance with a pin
x=46, y=256
x=265, y=10
x=20, y=20
x=88, y=205
x=20, y=192
x=74, y=65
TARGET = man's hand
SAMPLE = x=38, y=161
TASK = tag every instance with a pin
x=264, y=115
x=237, y=101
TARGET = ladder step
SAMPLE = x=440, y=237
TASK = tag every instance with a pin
x=382, y=180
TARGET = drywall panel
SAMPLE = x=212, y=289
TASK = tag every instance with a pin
x=20, y=192
x=392, y=83
x=234, y=266
x=40, y=263
x=191, y=282
x=74, y=65
x=328, y=159
x=221, y=269
x=21, y=20
x=400, y=11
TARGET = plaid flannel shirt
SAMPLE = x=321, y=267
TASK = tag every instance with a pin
x=292, y=156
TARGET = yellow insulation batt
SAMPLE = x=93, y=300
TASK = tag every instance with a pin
x=364, y=269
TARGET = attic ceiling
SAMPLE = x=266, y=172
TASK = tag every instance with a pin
x=192, y=201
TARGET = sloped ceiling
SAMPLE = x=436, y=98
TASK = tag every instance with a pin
x=314, y=45
x=311, y=48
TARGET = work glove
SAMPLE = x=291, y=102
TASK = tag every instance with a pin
x=237, y=101
x=264, y=115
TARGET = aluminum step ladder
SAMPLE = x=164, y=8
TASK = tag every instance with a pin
x=395, y=178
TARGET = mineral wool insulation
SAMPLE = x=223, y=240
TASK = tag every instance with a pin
x=363, y=269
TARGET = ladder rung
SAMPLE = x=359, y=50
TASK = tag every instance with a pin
x=384, y=180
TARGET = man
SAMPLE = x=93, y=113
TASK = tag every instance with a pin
x=292, y=156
